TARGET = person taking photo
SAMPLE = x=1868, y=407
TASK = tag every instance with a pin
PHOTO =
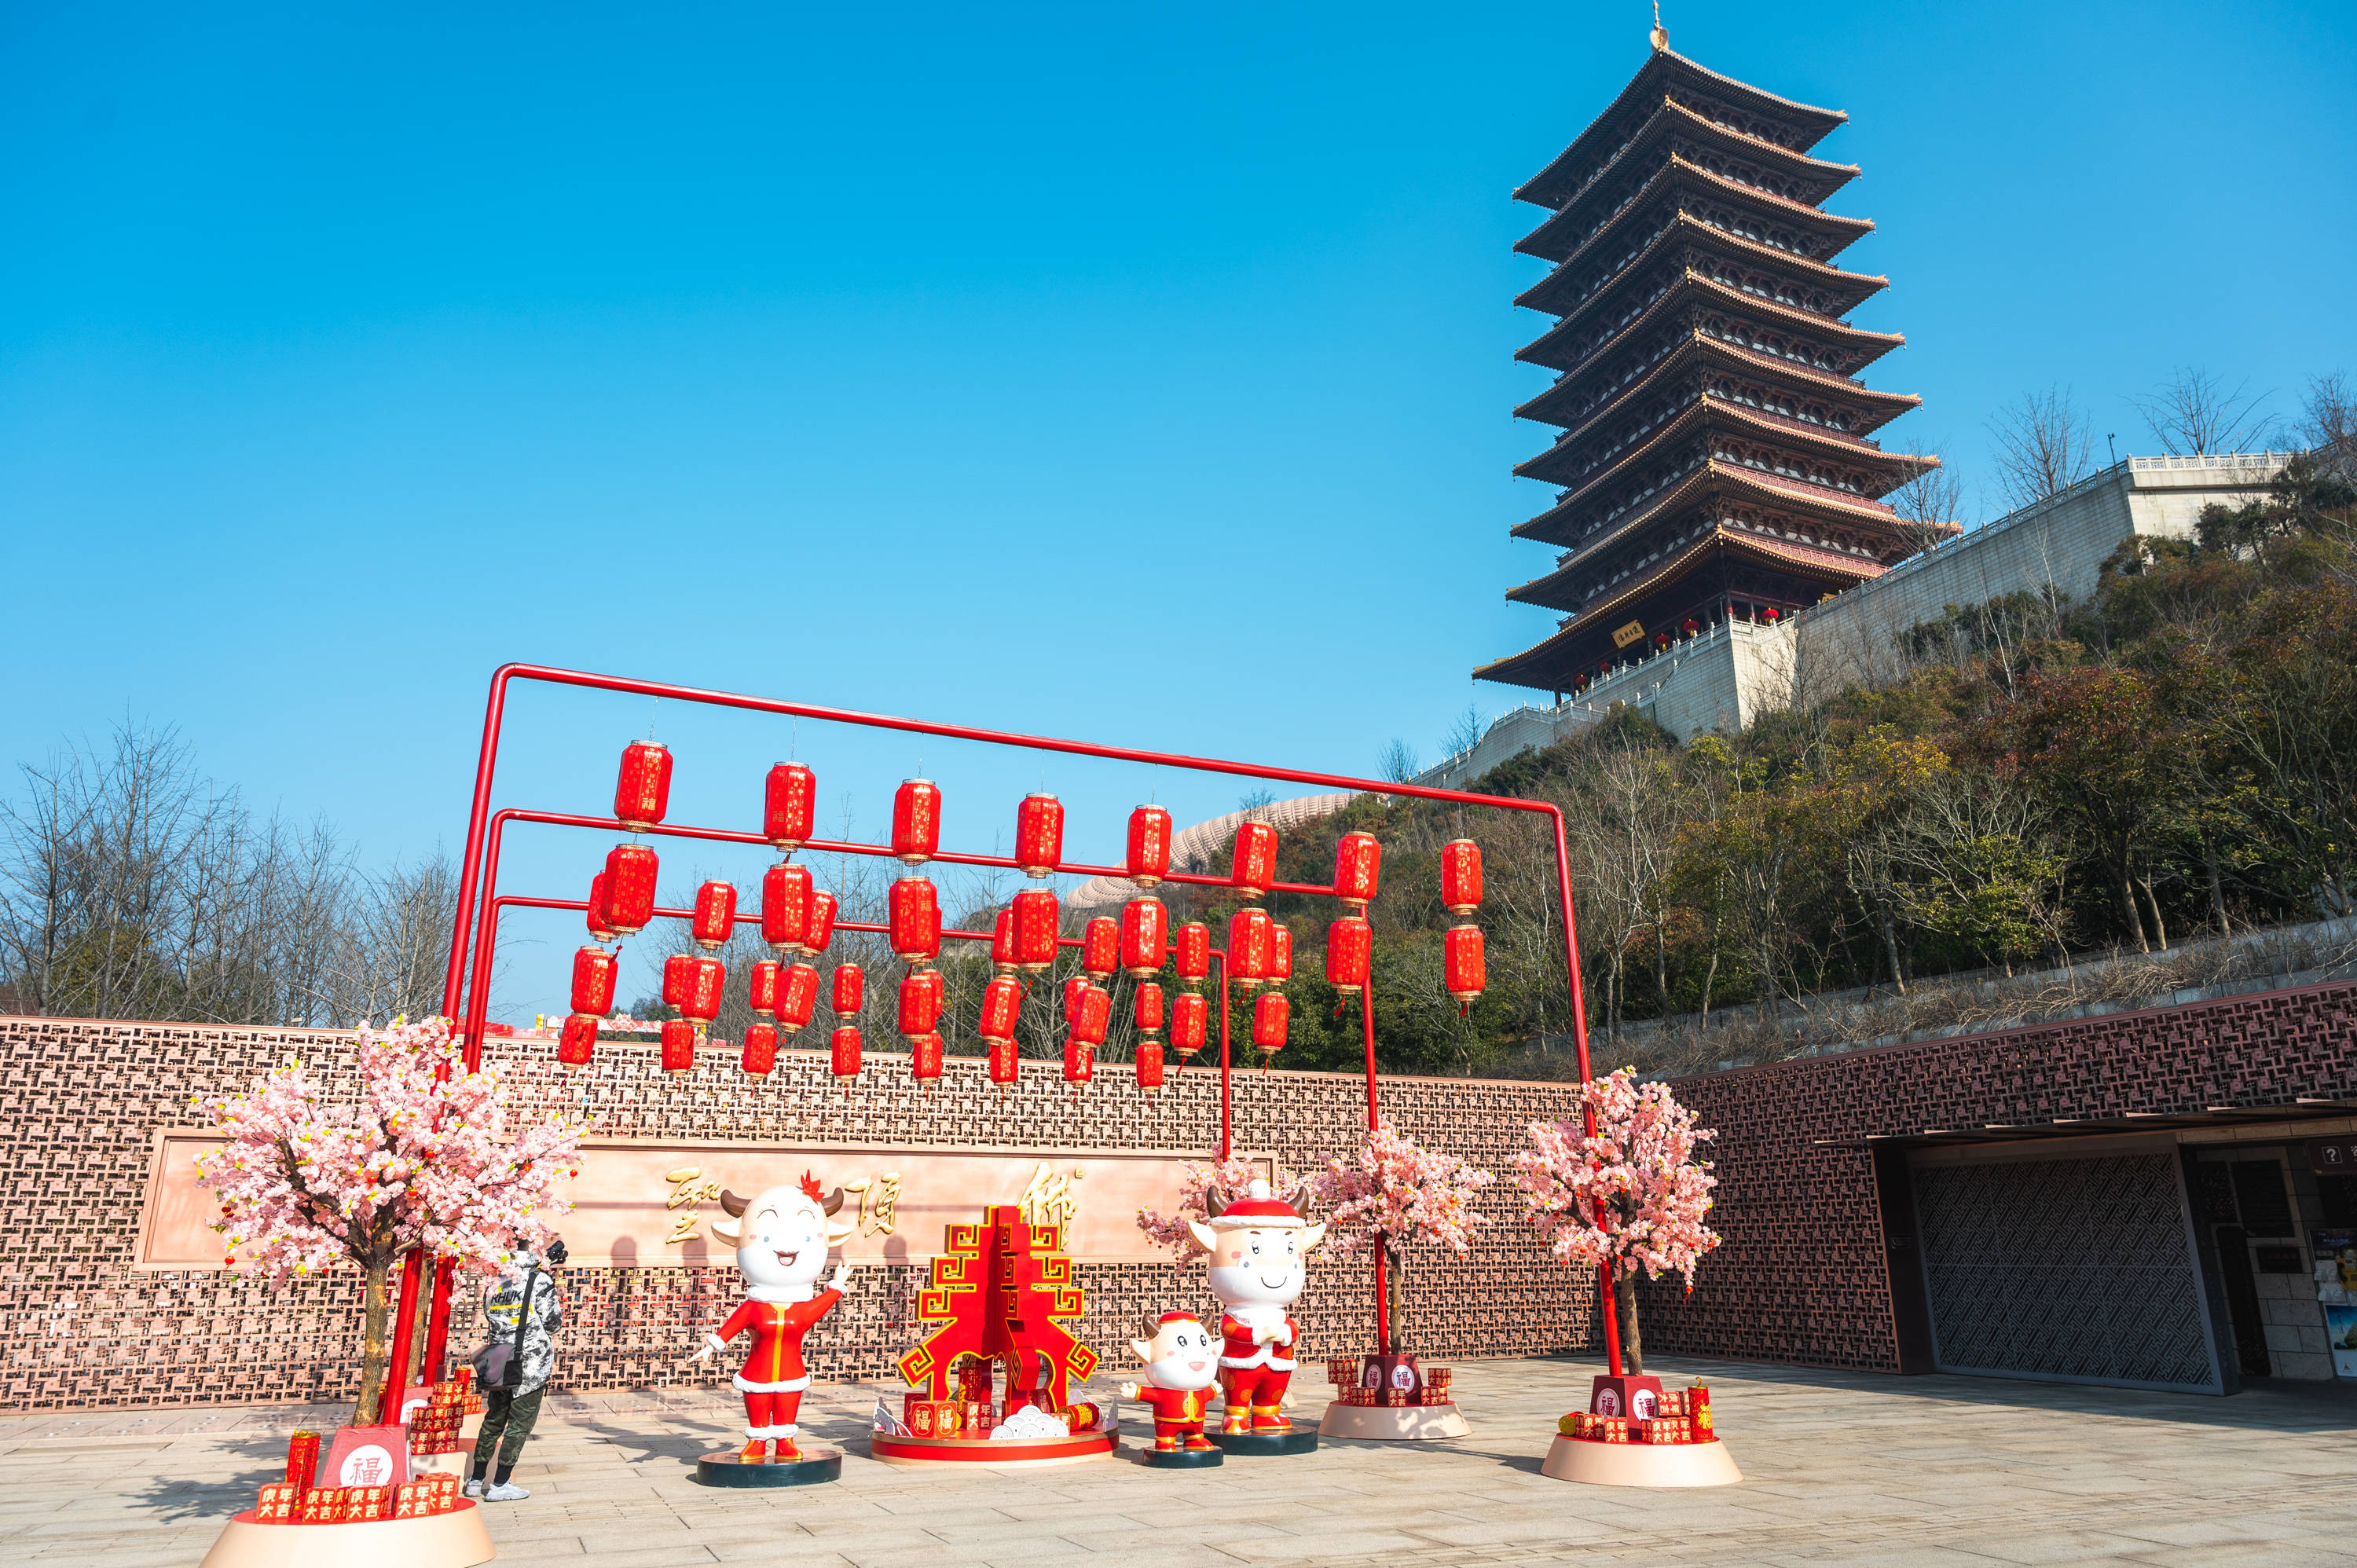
x=523, y=1312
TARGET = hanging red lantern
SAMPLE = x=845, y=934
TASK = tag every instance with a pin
x=706, y=981
x=1035, y=929
x=642, y=790
x=1247, y=947
x=844, y=1062
x=576, y=1040
x=593, y=980
x=797, y=997
x=1002, y=942
x=1005, y=1062
x=925, y=1058
x=631, y=871
x=1080, y=1060
x=915, y=918
x=1096, y=1015
x=1194, y=951
x=1150, y=845
x=1190, y=1021
x=789, y=806
x=1461, y=960
x=1358, y=867
x=1661, y=640
x=601, y=925
x=760, y=1054
x=1771, y=614
x=716, y=915
x=679, y=971
x=1280, y=953
x=1349, y=954
x=1143, y=925
x=1148, y=1064
x=1271, y=1014
x=1255, y=866
x=761, y=988
x=1690, y=626
x=1002, y=1000
x=822, y=924
x=1038, y=835
x=1460, y=877
x=786, y=899
x=850, y=991
x=917, y=820
x=1100, y=947
x=1147, y=1013
x=1076, y=986
x=920, y=1002
x=678, y=1045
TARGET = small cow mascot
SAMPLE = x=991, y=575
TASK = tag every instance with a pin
x=1260, y=1249
x=782, y=1234
x=1181, y=1365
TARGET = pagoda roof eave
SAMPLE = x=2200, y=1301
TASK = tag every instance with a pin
x=1885, y=406
x=1764, y=487
x=1708, y=409
x=1670, y=114
x=1823, y=562
x=1825, y=565
x=1532, y=298
x=1830, y=329
x=1845, y=230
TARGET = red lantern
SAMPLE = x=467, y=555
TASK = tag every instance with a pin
x=1349, y=954
x=1096, y=1016
x=916, y=920
x=1080, y=1060
x=1005, y=1062
x=821, y=923
x=576, y=1040
x=1002, y=1000
x=1100, y=947
x=678, y=1045
x=788, y=805
x=1075, y=987
x=1039, y=835
x=1461, y=960
x=1194, y=956
x=1271, y=1014
x=845, y=1063
x=1358, y=866
x=761, y=988
x=925, y=1058
x=786, y=899
x=1771, y=614
x=631, y=871
x=1690, y=626
x=1248, y=947
x=1190, y=1018
x=760, y=1050
x=706, y=983
x=1002, y=942
x=920, y=1002
x=593, y=980
x=1035, y=929
x=850, y=992
x=601, y=925
x=1143, y=927
x=917, y=820
x=1460, y=877
x=679, y=975
x=1255, y=867
x=1661, y=640
x=1280, y=953
x=797, y=997
x=1149, y=1064
x=1150, y=845
x=716, y=915
x=1148, y=1010
x=643, y=791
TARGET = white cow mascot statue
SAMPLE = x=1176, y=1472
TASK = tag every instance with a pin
x=1260, y=1249
x=782, y=1235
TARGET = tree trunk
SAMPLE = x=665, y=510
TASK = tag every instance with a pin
x=2135, y=921
x=375, y=1313
x=1633, y=1342
x=1399, y=1287
x=2159, y=927
x=1890, y=940
x=2217, y=892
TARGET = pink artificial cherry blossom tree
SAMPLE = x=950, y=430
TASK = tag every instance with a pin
x=1631, y=1197
x=1392, y=1194
x=1199, y=1180
x=426, y=1157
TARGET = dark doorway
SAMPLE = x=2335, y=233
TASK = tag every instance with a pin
x=2243, y=1300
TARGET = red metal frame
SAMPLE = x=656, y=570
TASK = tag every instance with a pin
x=479, y=871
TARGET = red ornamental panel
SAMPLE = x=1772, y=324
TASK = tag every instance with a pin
x=917, y=820
x=642, y=790
x=678, y=1045
x=601, y=926
x=1248, y=947
x=716, y=915
x=1038, y=835
x=850, y=989
x=1349, y=954
x=1280, y=953
x=593, y=980
x=916, y=919
x=706, y=981
x=1194, y=955
x=925, y=1058
x=1190, y=1022
x=822, y=924
x=761, y=988
x=1035, y=928
x=844, y=1062
x=1002, y=1000
x=787, y=896
x=1149, y=1064
x=1271, y=1014
x=1148, y=1010
x=1462, y=963
x=576, y=1040
x=631, y=871
x=1143, y=925
x=1100, y=947
x=789, y=806
x=1150, y=845
x=760, y=1054
x=679, y=972
x=1460, y=877
x=1002, y=942
x=920, y=1002
x=1358, y=867
x=797, y=997
x=1255, y=867
x=1004, y=1061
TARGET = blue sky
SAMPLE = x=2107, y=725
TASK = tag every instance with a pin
x=1138, y=375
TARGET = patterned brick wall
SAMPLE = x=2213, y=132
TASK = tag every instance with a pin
x=80, y=1100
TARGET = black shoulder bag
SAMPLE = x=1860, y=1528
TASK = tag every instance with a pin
x=498, y=1368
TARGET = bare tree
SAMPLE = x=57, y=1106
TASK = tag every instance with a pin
x=1930, y=505
x=2194, y=412
x=2327, y=425
x=1397, y=763
x=1465, y=733
x=2044, y=446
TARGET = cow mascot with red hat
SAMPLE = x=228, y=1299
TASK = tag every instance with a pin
x=783, y=1235
x=1260, y=1255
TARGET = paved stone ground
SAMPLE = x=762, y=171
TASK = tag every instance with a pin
x=1839, y=1470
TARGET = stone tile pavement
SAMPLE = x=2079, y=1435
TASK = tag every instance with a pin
x=1839, y=1470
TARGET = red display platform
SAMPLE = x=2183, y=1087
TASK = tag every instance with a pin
x=1393, y=1423
x=1030, y=1452
x=1640, y=1464
x=453, y=1539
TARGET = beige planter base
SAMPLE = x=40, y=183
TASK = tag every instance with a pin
x=453, y=1539
x=1640, y=1464
x=1393, y=1423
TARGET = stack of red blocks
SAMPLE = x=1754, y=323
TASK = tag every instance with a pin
x=298, y=1500
x=436, y=1429
x=1683, y=1416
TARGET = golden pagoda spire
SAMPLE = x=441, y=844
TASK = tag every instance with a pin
x=1661, y=35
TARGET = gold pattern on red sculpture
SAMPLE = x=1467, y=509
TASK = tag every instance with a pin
x=915, y=918
x=1149, y=858
x=1038, y=835
x=917, y=820
x=788, y=805
x=1358, y=867
x=787, y=896
x=1144, y=928
x=716, y=915
x=631, y=870
x=1035, y=929
x=1002, y=1290
x=1100, y=947
x=643, y=789
x=1349, y=954
x=593, y=980
x=1460, y=877
x=1255, y=866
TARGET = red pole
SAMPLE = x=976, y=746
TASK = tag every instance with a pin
x=437, y=1327
x=1610, y=1312
x=1227, y=1117
x=396, y=1371
x=1382, y=1292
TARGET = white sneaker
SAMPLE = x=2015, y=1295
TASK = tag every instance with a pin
x=474, y=1487
x=506, y=1492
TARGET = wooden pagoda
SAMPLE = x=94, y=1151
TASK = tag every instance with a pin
x=1716, y=458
